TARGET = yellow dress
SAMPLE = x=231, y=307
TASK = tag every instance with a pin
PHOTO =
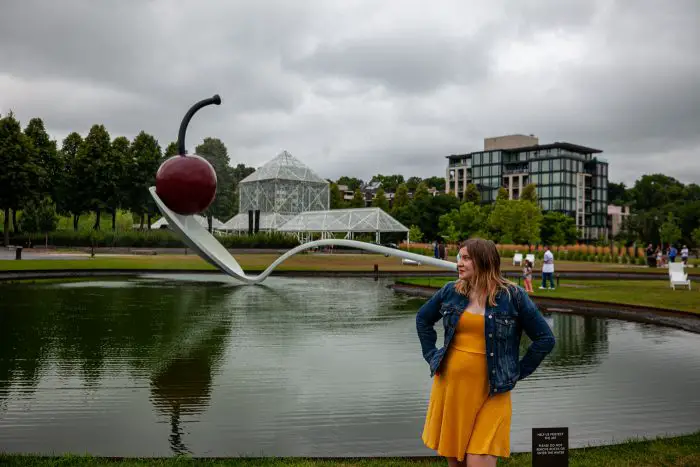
x=461, y=417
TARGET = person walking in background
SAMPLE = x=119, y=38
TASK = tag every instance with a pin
x=527, y=276
x=684, y=255
x=651, y=261
x=672, y=253
x=547, y=269
x=484, y=315
x=435, y=249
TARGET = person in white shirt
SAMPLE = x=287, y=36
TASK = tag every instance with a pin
x=684, y=254
x=547, y=269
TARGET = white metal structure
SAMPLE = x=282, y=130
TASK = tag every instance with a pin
x=531, y=259
x=216, y=224
x=347, y=221
x=209, y=248
x=518, y=259
x=678, y=276
x=284, y=185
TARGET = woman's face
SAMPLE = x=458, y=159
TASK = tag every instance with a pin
x=465, y=267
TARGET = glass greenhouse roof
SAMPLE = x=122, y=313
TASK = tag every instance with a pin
x=284, y=167
x=344, y=220
x=268, y=221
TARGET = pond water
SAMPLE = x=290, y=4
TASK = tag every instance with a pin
x=157, y=365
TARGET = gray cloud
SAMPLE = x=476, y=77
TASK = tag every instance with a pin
x=364, y=88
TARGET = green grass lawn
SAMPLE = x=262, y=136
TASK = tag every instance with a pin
x=651, y=293
x=259, y=261
x=677, y=451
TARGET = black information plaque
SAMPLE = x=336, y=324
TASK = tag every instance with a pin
x=550, y=447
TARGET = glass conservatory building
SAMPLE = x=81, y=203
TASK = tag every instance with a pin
x=280, y=189
x=293, y=198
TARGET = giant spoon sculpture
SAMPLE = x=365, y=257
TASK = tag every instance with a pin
x=186, y=185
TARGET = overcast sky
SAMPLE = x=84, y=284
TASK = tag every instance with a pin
x=354, y=87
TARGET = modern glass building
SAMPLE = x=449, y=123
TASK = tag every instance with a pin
x=570, y=178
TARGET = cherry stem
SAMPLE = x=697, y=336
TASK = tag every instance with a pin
x=215, y=99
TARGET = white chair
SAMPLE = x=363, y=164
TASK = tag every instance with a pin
x=677, y=276
x=531, y=259
x=517, y=259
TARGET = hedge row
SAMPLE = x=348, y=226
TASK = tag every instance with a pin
x=161, y=238
x=561, y=255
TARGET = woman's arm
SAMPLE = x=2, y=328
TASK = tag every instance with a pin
x=537, y=330
x=427, y=316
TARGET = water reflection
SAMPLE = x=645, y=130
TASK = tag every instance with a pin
x=301, y=367
x=582, y=342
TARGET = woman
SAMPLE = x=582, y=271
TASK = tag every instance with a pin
x=469, y=414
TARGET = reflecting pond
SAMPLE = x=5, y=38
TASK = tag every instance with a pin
x=159, y=364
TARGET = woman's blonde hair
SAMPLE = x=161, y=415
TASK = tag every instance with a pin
x=487, y=270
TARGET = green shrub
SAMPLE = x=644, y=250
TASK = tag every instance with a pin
x=641, y=261
x=161, y=238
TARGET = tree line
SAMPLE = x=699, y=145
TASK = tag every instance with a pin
x=100, y=174
x=95, y=173
x=663, y=210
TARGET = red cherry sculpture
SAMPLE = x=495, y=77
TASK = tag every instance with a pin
x=187, y=183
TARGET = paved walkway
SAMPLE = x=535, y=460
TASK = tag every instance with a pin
x=9, y=253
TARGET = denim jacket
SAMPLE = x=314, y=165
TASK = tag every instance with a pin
x=504, y=323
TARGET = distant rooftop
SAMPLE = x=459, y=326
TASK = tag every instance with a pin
x=556, y=145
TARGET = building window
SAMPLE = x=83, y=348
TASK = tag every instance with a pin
x=556, y=191
x=545, y=178
x=496, y=157
x=556, y=165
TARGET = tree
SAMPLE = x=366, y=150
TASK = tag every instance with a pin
x=351, y=182
x=117, y=183
x=466, y=221
x=46, y=156
x=696, y=237
x=71, y=197
x=516, y=221
x=93, y=156
x=388, y=182
x=171, y=150
x=400, y=197
x=336, y=196
x=669, y=231
x=529, y=193
x=412, y=183
x=421, y=192
x=502, y=194
x=144, y=162
x=380, y=200
x=436, y=182
x=425, y=212
x=358, y=199
x=40, y=217
x=471, y=194
x=214, y=150
x=617, y=194
x=558, y=229
x=414, y=234
x=19, y=174
x=655, y=191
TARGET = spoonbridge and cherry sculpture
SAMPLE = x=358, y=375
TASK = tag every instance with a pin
x=186, y=185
